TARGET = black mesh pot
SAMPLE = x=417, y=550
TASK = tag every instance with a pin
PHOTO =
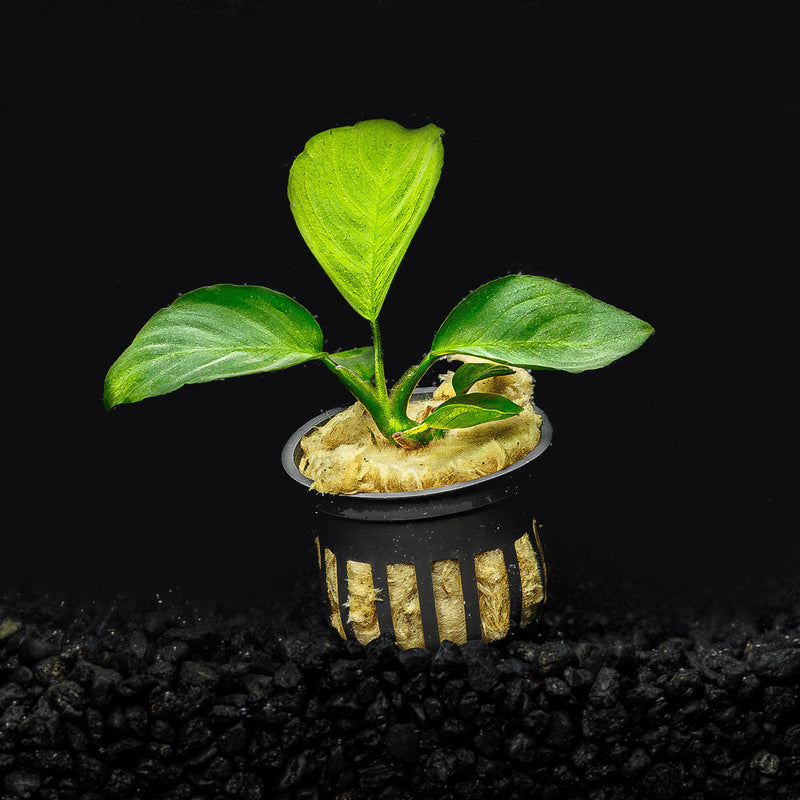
x=458, y=562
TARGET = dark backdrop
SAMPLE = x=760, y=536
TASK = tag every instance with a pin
x=639, y=151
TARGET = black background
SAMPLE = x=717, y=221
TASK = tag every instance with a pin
x=643, y=152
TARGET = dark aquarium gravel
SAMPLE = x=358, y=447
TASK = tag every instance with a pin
x=183, y=696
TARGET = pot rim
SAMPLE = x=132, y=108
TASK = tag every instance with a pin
x=290, y=449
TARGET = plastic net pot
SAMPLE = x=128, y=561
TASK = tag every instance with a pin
x=459, y=562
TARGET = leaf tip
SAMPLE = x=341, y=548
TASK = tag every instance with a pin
x=109, y=400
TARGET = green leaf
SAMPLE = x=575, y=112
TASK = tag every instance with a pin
x=360, y=359
x=358, y=194
x=539, y=323
x=466, y=410
x=210, y=333
x=467, y=375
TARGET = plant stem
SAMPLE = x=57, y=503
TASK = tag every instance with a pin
x=380, y=377
x=402, y=390
x=390, y=411
x=378, y=407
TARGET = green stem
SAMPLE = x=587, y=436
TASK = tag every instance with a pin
x=369, y=396
x=361, y=389
x=380, y=376
x=389, y=410
x=403, y=389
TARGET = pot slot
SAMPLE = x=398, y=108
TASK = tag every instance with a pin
x=494, y=599
x=362, y=596
x=404, y=603
x=532, y=574
x=449, y=598
x=332, y=590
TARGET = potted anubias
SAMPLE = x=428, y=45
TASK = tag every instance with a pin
x=423, y=525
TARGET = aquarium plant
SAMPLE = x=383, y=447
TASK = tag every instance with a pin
x=358, y=194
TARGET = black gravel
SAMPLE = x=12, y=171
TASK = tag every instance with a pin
x=175, y=696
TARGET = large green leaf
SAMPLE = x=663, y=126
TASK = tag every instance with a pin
x=539, y=323
x=210, y=333
x=358, y=194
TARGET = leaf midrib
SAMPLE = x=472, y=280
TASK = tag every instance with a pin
x=375, y=229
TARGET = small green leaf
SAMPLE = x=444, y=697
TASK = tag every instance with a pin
x=210, y=333
x=467, y=375
x=539, y=323
x=360, y=359
x=358, y=194
x=466, y=410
